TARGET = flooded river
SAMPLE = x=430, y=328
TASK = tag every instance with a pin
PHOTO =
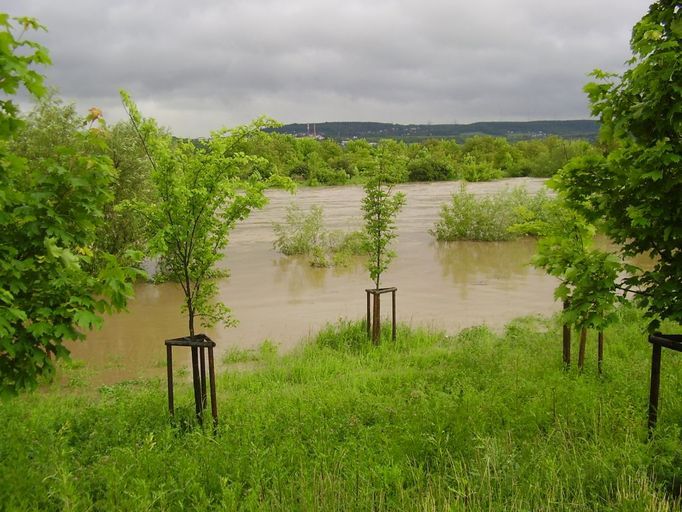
x=283, y=299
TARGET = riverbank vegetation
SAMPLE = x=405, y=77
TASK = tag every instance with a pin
x=304, y=233
x=475, y=421
x=478, y=158
x=56, y=279
x=504, y=215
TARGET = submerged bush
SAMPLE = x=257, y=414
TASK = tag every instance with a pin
x=303, y=233
x=300, y=232
x=489, y=218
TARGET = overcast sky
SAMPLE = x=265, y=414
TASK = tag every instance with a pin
x=198, y=65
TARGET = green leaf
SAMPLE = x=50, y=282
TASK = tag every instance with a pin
x=87, y=320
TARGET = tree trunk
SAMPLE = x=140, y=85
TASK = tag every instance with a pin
x=378, y=279
x=581, y=353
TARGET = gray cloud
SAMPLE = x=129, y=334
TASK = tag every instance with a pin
x=198, y=65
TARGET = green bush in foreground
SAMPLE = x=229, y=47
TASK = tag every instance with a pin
x=489, y=217
x=477, y=421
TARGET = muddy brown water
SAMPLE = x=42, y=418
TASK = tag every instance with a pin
x=283, y=299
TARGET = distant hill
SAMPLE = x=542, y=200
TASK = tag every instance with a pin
x=583, y=128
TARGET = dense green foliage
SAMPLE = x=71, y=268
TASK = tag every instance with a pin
x=479, y=158
x=200, y=196
x=55, y=282
x=380, y=207
x=121, y=230
x=491, y=217
x=477, y=421
x=304, y=233
x=588, y=276
x=18, y=58
x=635, y=191
x=53, y=124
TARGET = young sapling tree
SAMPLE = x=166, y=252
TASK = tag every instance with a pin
x=380, y=208
x=588, y=277
x=200, y=195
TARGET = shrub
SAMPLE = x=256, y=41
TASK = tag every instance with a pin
x=303, y=233
x=489, y=218
x=472, y=169
x=300, y=232
x=428, y=169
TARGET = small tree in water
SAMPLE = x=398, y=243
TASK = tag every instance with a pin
x=380, y=207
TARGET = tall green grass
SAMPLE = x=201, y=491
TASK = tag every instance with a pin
x=476, y=421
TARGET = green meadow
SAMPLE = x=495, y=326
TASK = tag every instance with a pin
x=480, y=420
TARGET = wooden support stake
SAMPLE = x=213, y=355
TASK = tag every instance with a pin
x=376, y=319
x=374, y=313
x=581, y=351
x=211, y=377
x=369, y=316
x=567, y=341
x=202, y=367
x=654, y=387
x=600, y=351
x=393, y=332
x=197, y=384
x=169, y=369
x=197, y=345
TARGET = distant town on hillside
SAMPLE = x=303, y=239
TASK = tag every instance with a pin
x=512, y=130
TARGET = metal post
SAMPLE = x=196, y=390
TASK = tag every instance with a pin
x=655, y=386
x=169, y=368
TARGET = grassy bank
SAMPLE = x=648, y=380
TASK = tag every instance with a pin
x=477, y=421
